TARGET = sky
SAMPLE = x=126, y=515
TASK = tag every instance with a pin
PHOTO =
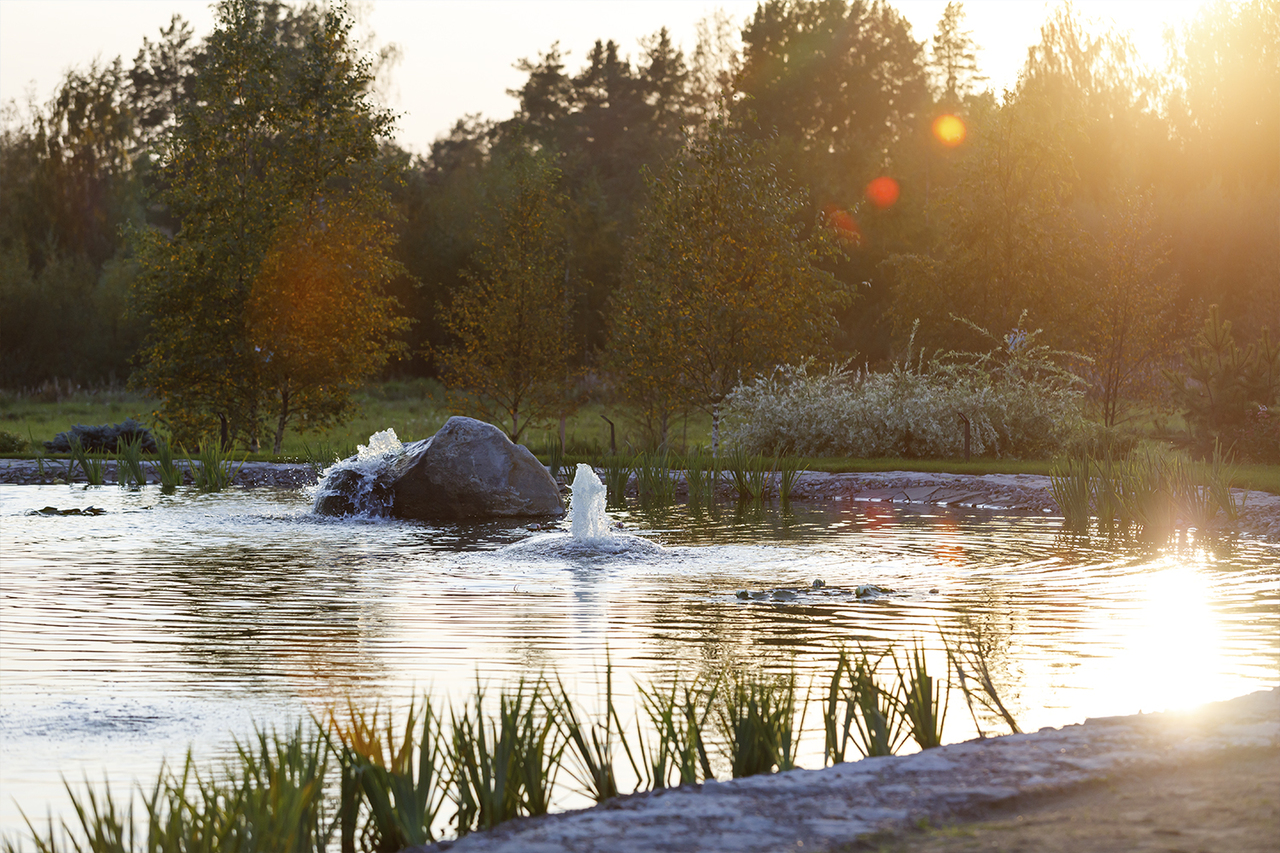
x=458, y=55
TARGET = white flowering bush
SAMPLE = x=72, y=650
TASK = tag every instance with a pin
x=1018, y=401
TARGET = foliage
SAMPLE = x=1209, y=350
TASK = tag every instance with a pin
x=723, y=280
x=1134, y=323
x=1228, y=393
x=278, y=145
x=103, y=438
x=1018, y=400
x=510, y=321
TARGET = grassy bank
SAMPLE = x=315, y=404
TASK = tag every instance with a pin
x=415, y=409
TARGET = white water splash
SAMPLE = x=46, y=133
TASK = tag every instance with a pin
x=361, y=483
x=587, y=519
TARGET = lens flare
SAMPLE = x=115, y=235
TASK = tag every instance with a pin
x=842, y=223
x=949, y=130
x=882, y=192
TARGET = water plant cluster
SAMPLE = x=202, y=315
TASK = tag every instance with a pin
x=1017, y=400
x=1150, y=491
x=372, y=781
x=657, y=476
x=212, y=469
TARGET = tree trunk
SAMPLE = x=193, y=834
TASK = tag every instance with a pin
x=284, y=418
x=715, y=431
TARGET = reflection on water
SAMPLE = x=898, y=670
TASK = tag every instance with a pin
x=176, y=621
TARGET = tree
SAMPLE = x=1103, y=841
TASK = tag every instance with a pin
x=953, y=57
x=722, y=280
x=1134, y=323
x=1008, y=241
x=276, y=150
x=510, y=321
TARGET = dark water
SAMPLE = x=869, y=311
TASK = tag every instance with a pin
x=182, y=621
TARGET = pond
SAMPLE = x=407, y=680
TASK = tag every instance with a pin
x=181, y=621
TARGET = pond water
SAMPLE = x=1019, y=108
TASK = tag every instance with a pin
x=181, y=621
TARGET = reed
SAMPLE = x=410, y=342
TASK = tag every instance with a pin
x=398, y=774
x=750, y=475
x=215, y=471
x=878, y=720
x=506, y=766
x=757, y=721
x=924, y=700
x=166, y=467
x=92, y=464
x=593, y=744
x=654, y=484
x=702, y=476
x=1071, y=486
x=617, y=474
x=968, y=657
x=788, y=473
x=129, y=470
x=837, y=712
x=679, y=718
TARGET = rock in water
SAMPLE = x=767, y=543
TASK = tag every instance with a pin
x=470, y=469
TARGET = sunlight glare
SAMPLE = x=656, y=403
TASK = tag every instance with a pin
x=949, y=130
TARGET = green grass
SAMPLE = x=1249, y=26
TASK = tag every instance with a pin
x=415, y=409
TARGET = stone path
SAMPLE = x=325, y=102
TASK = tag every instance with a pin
x=823, y=809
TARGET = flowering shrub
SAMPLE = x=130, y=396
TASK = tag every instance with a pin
x=1017, y=400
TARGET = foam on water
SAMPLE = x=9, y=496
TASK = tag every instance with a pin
x=363, y=479
x=590, y=528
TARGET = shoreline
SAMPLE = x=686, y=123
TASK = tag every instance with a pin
x=836, y=808
x=1019, y=493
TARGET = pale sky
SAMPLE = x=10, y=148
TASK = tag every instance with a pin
x=458, y=54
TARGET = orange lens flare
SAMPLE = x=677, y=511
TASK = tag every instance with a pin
x=842, y=222
x=948, y=130
x=883, y=192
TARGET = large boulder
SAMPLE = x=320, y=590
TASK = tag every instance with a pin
x=470, y=469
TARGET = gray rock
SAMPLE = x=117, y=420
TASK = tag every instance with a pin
x=468, y=470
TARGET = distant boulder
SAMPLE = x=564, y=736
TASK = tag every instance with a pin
x=471, y=470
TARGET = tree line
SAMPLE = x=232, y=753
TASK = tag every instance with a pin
x=227, y=222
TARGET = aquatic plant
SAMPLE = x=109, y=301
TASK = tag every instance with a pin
x=756, y=719
x=968, y=657
x=679, y=718
x=399, y=776
x=702, y=477
x=1071, y=484
x=92, y=464
x=617, y=473
x=215, y=472
x=504, y=767
x=788, y=472
x=924, y=699
x=750, y=475
x=170, y=474
x=129, y=470
x=593, y=744
x=654, y=484
x=878, y=719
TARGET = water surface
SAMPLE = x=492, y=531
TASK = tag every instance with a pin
x=182, y=621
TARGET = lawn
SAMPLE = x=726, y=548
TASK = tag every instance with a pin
x=415, y=409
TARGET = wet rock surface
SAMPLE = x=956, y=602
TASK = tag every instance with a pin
x=828, y=809
x=470, y=469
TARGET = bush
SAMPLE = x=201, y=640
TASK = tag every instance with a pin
x=11, y=442
x=103, y=438
x=1019, y=404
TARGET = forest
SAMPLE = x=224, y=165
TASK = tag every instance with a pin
x=226, y=225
